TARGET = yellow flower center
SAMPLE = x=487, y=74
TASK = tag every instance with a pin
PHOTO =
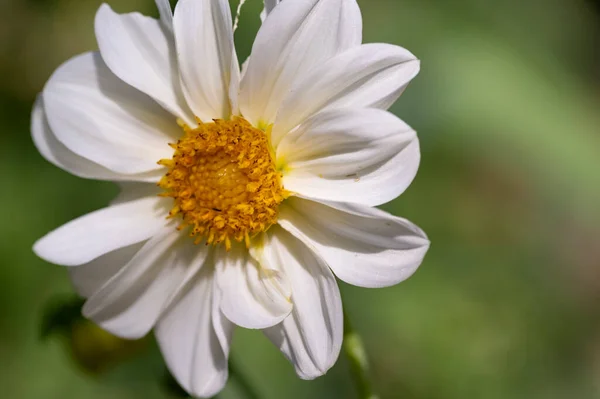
x=224, y=182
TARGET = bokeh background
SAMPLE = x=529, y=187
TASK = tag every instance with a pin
x=505, y=305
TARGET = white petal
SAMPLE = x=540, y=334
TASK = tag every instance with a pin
x=131, y=191
x=223, y=327
x=204, y=37
x=59, y=155
x=269, y=6
x=366, y=156
x=89, y=278
x=298, y=36
x=166, y=14
x=130, y=303
x=97, y=116
x=234, y=84
x=90, y=236
x=363, y=246
x=371, y=75
x=141, y=52
x=311, y=337
x=252, y=295
x=194, y=338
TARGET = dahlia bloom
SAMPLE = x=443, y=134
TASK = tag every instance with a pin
x=243, y=192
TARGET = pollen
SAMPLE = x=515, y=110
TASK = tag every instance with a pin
x=224, y=181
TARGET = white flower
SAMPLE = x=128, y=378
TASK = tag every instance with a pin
x=282, y=184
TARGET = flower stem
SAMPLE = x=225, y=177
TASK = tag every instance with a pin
x=359, y=365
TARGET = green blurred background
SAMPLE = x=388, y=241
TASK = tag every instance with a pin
x=505, y=305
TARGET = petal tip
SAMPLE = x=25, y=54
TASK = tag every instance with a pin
x=257, y=324
x=103, y=11
x=212, y=388
x=46, y=250
x=39, y=249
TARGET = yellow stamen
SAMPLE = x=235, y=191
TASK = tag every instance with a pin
x=224, y=182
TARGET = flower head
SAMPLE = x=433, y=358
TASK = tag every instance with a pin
x=243, y=193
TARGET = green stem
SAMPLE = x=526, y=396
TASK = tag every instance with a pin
x=359, y=365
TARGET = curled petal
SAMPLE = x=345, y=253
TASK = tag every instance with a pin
x=194, y=337
x=141, y=51
x=366, y=156
x=130, y=303
x=252, y=295
x=56, y=153
x=311, y=337
x=204, y=38
x=363, y=246
x=99, y=117
x=367, y=76
x=298, y=36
